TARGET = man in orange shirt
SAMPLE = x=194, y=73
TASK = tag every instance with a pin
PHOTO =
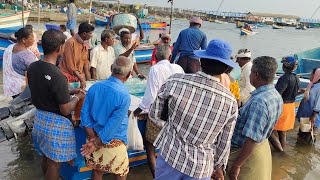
x=75, y=59
x=165, y=39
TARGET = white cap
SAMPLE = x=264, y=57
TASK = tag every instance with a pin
x=124, y=30
x=243, y=53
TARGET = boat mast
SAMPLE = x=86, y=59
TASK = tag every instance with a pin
x=315, y=12
x=22, y=13
x=39, y=16
x=90, y=7
x=219, y=9
x=171, y=16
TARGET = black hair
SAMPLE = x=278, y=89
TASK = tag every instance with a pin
x=29, y=26
x=71, y=1
x=124, y=33
x=63, y=27
x=85, y=27
x=213, y=67
x=52, y=39
x=23, y=33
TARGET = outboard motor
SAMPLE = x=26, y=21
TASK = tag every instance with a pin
x=18, y=117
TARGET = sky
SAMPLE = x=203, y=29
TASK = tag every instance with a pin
x=302, y=8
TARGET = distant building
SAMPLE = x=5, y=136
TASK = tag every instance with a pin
x=270, y=18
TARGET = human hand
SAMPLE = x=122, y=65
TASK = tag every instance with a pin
x=134, y=45
x=141, y=76
x=312, y=120
x=74, y=91
x=137, y=112
x=234, y=172
x=83, y=84
x=88, y=149
x=218, y=174
x=138, y=21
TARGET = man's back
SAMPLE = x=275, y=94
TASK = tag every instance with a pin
x=105, y=109
x=189, y=40
x=199, y=108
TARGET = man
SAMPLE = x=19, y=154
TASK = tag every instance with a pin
x=250, y=154
x=126, y=48
x=53, y=133
x=243, y=59
x=200, y=114
x=75, y=59
x=72, y=17
x=102, y=56
x=63, y=29
x=106, y=123
x=189, y=40
x=165, y=39
x=158, y=74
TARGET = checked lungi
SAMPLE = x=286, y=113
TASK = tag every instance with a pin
x=53, y=136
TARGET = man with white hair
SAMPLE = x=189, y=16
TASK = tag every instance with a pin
x=106, y=123
x=165, y=39
x=243, y=58
x=158, y=74
x=127, y=45
x=189, y=40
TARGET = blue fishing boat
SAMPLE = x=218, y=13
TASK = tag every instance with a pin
x=10, y=23
x=101, y=20
x=244, y=31
x=77, y=170
x=308, y=60
x=143, y=53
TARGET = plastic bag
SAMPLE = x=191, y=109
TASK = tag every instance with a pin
x=135, y=141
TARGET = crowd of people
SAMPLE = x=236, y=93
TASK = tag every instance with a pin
x=205, y=123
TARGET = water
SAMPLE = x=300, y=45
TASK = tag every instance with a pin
x=300, y=161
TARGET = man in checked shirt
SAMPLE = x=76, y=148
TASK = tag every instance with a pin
x=200, y=116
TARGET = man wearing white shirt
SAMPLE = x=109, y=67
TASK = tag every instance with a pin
x=102, y=56
x=244, y=60
x=158, y=74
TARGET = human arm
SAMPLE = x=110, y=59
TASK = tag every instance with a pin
x=204, y=42
x=282, y=84
x=150, y=93
x=246, y=87
x=244, y=155
x=141, y=29
x=176, y=48
x=315, y=107
x=109, y=22
x=224, y=138
x=136, y=70
x=130, y=50
x=157, y=108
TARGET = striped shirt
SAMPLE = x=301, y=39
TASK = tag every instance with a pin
x=201, y=117
x=258, y=116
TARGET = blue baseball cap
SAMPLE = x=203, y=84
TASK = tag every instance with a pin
x=217, y=50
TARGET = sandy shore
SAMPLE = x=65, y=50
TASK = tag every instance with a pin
x=53, y=16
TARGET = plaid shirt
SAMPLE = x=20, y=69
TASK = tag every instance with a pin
x=201, y=119
x=258, y=116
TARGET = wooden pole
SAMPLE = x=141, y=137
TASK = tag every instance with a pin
x=171, y=17
x=90, y=7
x=118, y=6
x=39, y=15
x=22, y=13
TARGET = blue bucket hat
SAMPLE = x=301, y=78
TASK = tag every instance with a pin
x=217, y=50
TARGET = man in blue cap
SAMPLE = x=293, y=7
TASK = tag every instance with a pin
x=200, y=116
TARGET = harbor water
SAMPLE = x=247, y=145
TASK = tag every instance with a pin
x=19, y=161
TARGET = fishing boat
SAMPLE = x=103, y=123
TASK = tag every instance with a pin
x=308, y=60
x=301, y=27
x=220, y=22
x=239, y=24
x=274, y=26
x=244, y=31
x=10, y=23
x=154, y=25
x=101, y=20
x=143, y=53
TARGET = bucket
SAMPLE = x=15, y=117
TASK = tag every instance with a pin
x=305, y=124
x=124, y=20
